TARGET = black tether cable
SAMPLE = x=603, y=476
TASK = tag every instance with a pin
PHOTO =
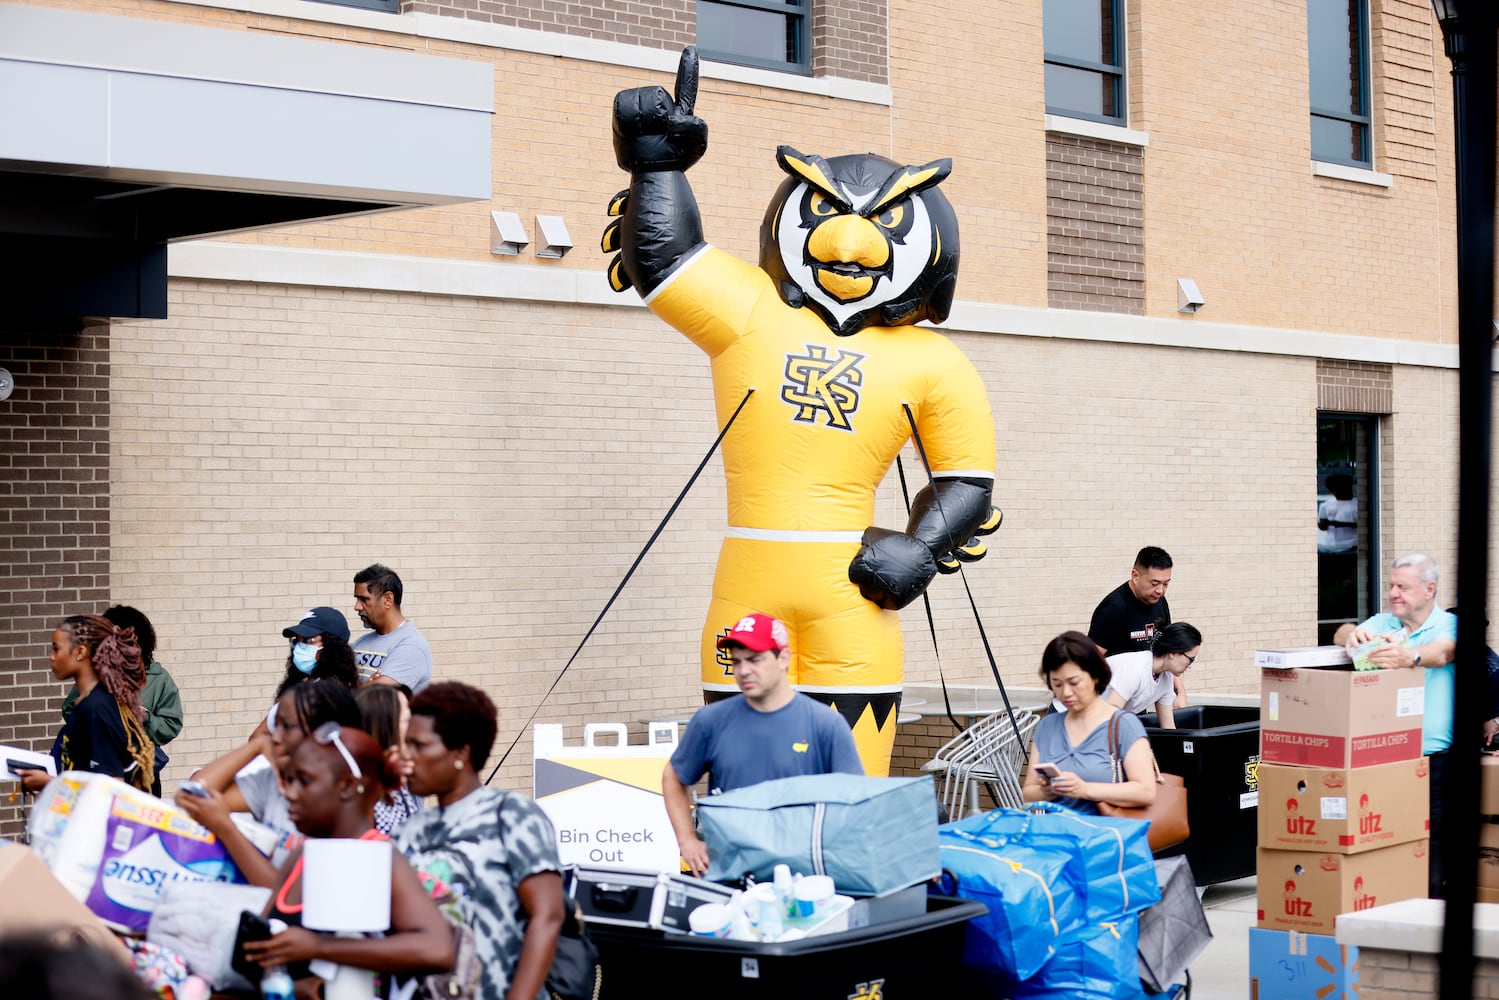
x=926, y=599
x=617, y=590
x=953, y=542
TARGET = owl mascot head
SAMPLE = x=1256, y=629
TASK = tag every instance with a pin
x=861, y=240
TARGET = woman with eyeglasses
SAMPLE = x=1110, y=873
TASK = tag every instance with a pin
x=1144, y=680
x=333, y=780
x=1071, y=759
x=496, y=847
x=386, y=711
x=319, y=650
x=105, y=732
x=230, y=784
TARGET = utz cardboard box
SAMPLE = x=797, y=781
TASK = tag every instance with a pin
x=1344, y=810
x=1340, y=718
x=33, y=901
x=1488, y=856
x=1488, y=785
x=1289, y=965
x=1306, y=890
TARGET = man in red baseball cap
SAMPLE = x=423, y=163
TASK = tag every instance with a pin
x=769, y=730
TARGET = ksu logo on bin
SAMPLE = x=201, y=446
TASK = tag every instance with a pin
x=872, y=990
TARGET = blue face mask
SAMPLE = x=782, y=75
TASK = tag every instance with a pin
x=304, y=657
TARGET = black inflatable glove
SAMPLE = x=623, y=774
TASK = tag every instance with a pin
x=891, y=568
x=654, y=130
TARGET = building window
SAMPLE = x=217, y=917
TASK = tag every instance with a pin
x=755, y=32
x=1347, y=521
x=1084, y=42
x=1337, y=42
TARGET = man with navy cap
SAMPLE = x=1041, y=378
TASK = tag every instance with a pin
x=768, y=730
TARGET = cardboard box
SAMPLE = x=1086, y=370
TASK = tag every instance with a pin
x=1340, y=718
x=1488, y=785
x=1344, y=810
x=1488, y=856
x=1302, y=656
x=1306, y=890
x=32, y=901
x=1487, y=895
x=1289, y=965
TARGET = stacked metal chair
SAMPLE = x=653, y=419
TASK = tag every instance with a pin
x=987, y=755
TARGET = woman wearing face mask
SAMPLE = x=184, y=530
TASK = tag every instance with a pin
x=386, y=713
x=333, y=780
x=231, y=785
x=319, y=650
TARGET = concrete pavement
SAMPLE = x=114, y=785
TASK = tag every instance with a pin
x=1221, y=972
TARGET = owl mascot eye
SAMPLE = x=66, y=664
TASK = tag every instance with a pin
x=854, y=250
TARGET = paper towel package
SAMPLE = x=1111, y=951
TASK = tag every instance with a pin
x=113, y=847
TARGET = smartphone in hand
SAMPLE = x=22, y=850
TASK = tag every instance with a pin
x=194, y=788
x=1048, y=771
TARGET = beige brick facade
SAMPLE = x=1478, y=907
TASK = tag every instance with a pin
x=509, y=452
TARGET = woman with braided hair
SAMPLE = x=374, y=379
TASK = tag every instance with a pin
x=106, y=733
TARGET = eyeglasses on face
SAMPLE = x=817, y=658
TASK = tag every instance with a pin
x=330, y=734
x=1190, y=659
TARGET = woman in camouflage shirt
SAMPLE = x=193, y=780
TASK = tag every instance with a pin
x=495, y=848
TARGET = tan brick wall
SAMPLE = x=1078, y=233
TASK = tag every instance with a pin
x=1094, y=226
x=1400, y=975
x=54, y=520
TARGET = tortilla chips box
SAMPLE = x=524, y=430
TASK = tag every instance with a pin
x=1344, y=810
x=1340, y=718
x=1306, y=890
x=114, y=847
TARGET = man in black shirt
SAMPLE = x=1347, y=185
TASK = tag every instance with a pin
x=1128, y=619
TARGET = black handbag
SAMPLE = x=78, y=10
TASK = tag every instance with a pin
x=576, y=973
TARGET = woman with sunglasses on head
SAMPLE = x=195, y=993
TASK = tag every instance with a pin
x=1075, y=742
x=386, y=711
x=1144, y=680
x=105, y=732
x=333, y=780
x=230, y=784
x=496, y=847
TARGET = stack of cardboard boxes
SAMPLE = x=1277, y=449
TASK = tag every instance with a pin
x=1343, y=813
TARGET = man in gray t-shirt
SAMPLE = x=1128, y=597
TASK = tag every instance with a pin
x=393, y=650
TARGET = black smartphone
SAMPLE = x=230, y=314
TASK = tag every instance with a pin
x=252, y=927
x=13, y=766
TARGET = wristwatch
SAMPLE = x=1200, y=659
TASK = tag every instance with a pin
x=1418, y=660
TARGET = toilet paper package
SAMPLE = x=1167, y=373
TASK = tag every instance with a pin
x=114, y=847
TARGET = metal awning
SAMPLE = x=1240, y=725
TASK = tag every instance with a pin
x=121, y=135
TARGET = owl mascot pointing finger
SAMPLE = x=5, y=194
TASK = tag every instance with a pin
x=854, y=251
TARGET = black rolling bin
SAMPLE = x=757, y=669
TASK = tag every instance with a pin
x=1216, y=750
x=917, y=957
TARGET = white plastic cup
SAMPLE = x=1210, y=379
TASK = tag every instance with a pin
x=711, y=920
x=813, y=893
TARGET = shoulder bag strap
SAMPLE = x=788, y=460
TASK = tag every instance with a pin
x=1116, y=756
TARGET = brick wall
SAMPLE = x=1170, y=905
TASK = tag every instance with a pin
x=1355, y=386
x=850, y=40
x=667, y=24
x=1095, y=242
x=1400, y=975
x=54, y=519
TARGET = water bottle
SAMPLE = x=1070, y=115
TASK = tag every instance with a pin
x=276, y=984
x=781, y=879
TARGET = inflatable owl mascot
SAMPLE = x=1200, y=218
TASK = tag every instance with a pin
x=821, y=337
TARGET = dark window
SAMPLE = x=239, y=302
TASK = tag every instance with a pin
x=755, y=32
x=1084, y=59
x=1337, y=40
x=389, y=6
x=1347, y=521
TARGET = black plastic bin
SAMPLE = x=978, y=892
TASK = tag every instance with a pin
x=919, y=956
x=1216, y=750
